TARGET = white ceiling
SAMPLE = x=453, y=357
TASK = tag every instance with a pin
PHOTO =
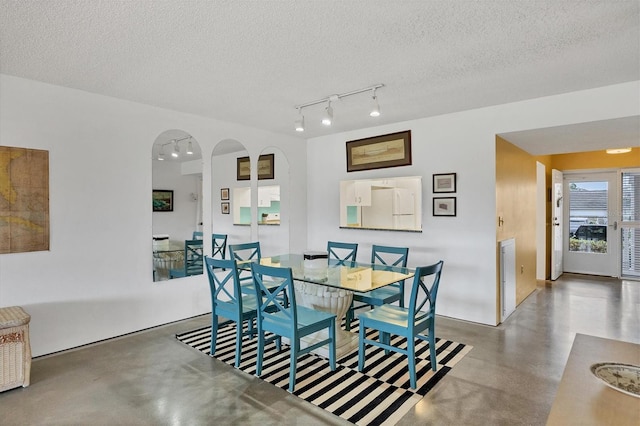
x=251, y=62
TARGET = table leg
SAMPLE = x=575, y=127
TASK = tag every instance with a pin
x=328, y=299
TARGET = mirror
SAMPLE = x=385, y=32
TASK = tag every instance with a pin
x=273, y=203
x=231, y=198
x=177, y=204
x=389, y=203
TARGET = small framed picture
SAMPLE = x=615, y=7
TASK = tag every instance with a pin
x=162, y=200
x=224, y=193
x=444, y=206
x=444, y=182
x=225, y=208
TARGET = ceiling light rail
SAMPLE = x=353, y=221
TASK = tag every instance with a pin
x=327, y=117
x=175, y=153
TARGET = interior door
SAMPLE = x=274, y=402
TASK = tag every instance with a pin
x=556, y=224
x=592, y=242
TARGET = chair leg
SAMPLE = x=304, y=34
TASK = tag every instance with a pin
x=386, y=339
x=349, y=317
x=432, y=348
x=411, y=354
x=295, y=344
x=239, y=326
x=214, y=333
x=361, y=347
x=332, y=345
x=260, y=352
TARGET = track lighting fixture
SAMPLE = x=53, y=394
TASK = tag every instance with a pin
x=299, y=126
x=189, y=148
x=161, y=153
x=327, y=117
x=375, y=108
x=176, y=150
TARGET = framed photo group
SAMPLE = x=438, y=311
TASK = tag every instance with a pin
x=444, y=183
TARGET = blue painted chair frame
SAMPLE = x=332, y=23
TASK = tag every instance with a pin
x=227, y=301
x=388, y=256
x=219, y=246
x=293, y=321
x=197, y=235
x=342, y=252
x=406, y=322
x=245, y=252
x=193, y=264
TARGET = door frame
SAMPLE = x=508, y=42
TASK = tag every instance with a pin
x=613, y=219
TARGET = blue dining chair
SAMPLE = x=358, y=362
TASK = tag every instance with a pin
x=197, y=235
x=387, y=256
x=228, y=301
x=243, y=254
x=293, y=321
x=409, y=322
x=192, y=264
x=342, y=252
x=219, y=246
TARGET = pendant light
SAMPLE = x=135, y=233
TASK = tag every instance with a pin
x=328, y=114
x=299, y=125
x=375, y=108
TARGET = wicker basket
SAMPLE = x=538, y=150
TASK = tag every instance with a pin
x=15, y=348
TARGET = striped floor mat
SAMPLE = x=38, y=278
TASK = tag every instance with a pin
x=378, y=396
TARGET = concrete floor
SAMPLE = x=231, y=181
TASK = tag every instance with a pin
x=149, y=378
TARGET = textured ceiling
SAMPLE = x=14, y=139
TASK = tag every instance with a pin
x=251, y=62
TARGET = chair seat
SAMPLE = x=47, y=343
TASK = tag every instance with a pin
x=306, y=317
x=249, y=304
x=379, y=296
x=394, y=316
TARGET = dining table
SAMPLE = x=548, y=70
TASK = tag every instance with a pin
x=328, y=285
x=166, y=256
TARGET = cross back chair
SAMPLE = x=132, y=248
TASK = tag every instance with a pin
x=245, y=253
x=192, y=260
x=292, y=321
x=219, y=246
x=388, y=256
x=197, y=235
x=410, y=322
x=228, y=301
x=342, y=252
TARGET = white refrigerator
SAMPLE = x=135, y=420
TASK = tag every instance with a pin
x=391, y=208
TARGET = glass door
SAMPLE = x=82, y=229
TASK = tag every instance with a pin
x=630, y=224
x=591, y=237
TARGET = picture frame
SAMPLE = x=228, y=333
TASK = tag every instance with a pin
x=162, y=200
x=265, y=167
x=378, y=152
x=225, y=208
x=444, y=206
x=224, y=193
x=444, y=182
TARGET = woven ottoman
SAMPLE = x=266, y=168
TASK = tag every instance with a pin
x=15, y=348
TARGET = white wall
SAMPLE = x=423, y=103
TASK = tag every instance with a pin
x=96, y=281
x=463, y=143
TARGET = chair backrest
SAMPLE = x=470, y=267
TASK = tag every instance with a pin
x=193, y=257
x=342, y=252
x=245, y=251
x=265, y=279
x=197, y=235
x=224, y=285
x=387, y=255
x=219, y=245
x=424, y=291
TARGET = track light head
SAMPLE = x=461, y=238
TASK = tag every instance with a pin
x=299, y=125
x=328, y=115
x=176, y=150
x=189, y=148
x=375, y=108
x=161, y=153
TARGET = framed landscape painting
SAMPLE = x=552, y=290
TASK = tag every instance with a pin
x=379, y=152
x=162, y=200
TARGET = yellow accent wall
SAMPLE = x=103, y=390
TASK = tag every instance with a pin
x=516, y=206
x=595, y=160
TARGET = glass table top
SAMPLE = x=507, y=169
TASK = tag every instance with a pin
x=355, y=276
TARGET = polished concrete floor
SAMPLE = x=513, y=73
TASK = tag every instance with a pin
x=149, y=378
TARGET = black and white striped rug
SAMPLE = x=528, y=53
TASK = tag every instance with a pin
x=378, y=396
